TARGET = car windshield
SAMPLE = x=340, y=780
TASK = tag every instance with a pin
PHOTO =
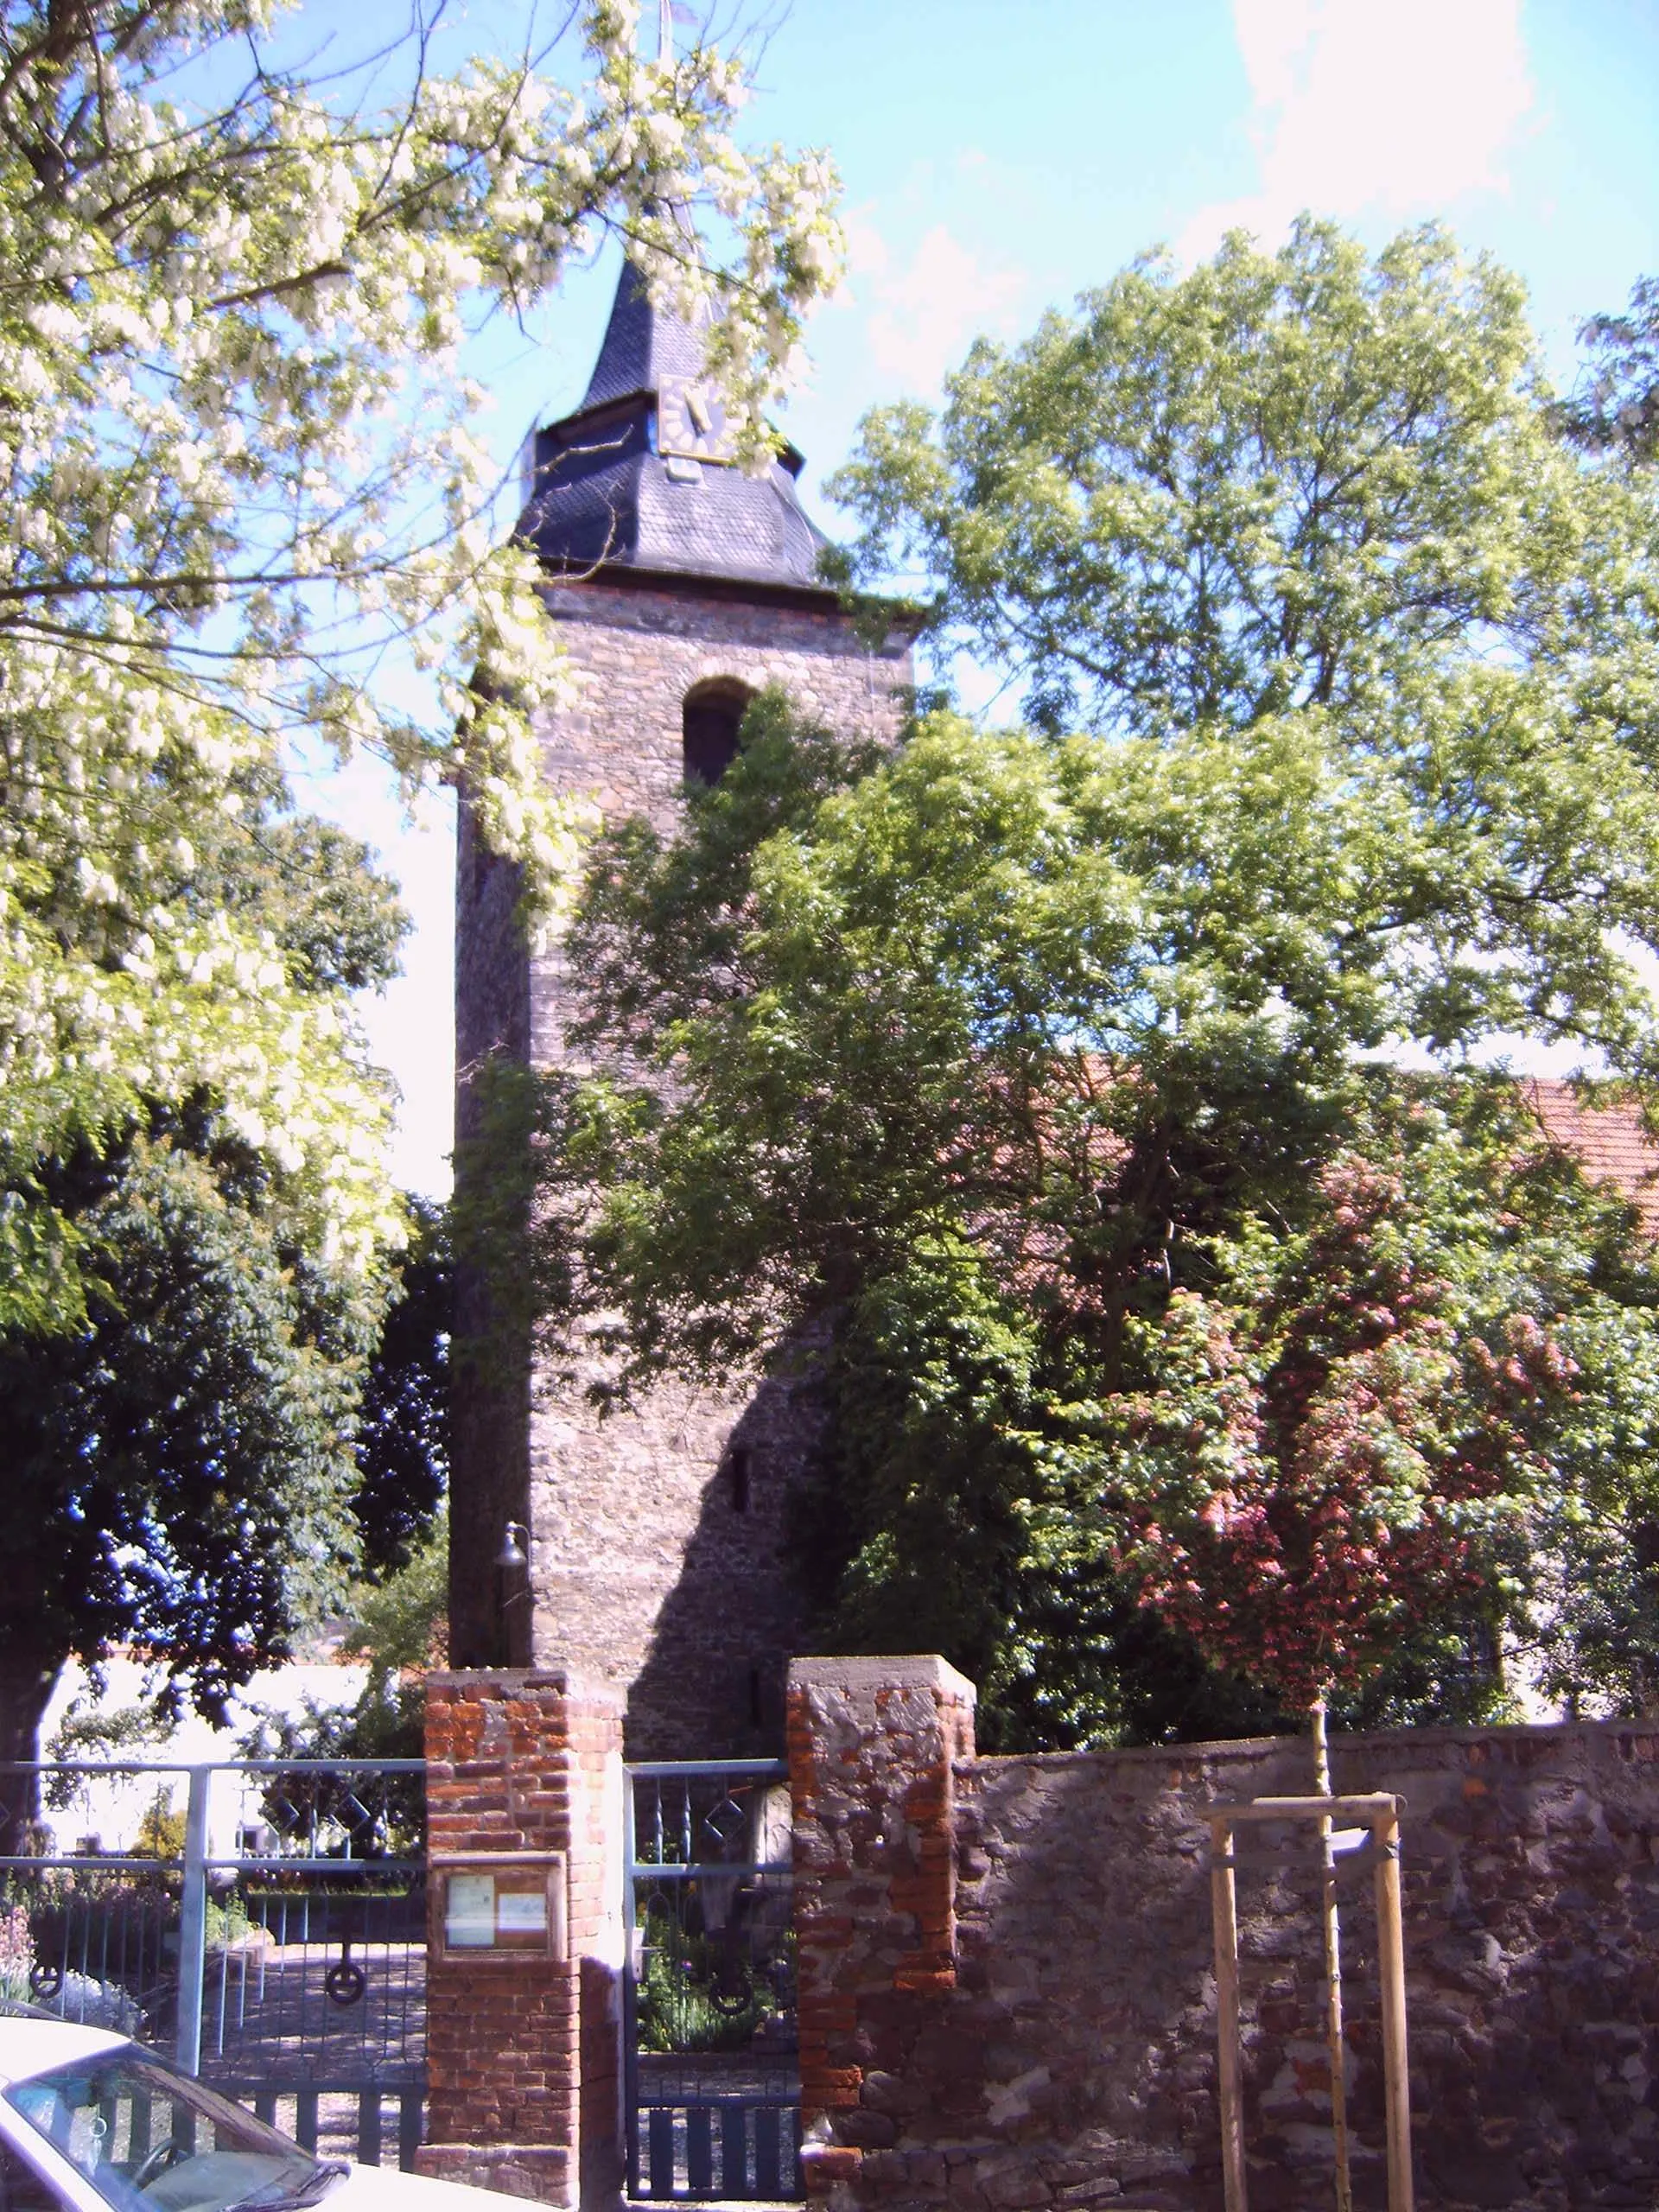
x=150, y=2140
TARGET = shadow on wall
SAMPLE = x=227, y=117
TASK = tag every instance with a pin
x=489, y=1443
x=1074, y=2063
x=712, y=1683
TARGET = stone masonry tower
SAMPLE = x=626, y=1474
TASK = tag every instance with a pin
x=680, y=587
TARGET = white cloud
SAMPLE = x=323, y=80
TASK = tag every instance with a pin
x=920, y=315
x=1394, y=108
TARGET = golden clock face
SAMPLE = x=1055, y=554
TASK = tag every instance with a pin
x=691, y=420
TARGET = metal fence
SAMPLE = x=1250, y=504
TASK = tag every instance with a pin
x=714, y=2071
x=263, y=1920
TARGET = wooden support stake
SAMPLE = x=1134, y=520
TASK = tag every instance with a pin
x=1224, y=1907
x=1391, y=1974
x=1330, y=1931
x=1383, y=1814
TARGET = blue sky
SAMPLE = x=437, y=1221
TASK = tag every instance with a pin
x=1000, y=155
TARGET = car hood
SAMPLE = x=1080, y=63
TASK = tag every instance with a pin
x=383, y=2188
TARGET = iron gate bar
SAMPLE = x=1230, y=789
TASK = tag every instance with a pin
x=217, y=1766
x=674, y=1770
x=689, y=2139
x=109, y=1865
x=262, y=1865
x=263, y=2101
x=677, y=1870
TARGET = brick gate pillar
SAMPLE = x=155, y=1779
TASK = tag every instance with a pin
x=524, y=2049
x=872, y=1745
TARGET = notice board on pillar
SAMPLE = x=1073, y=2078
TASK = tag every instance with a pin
x=503, y=1904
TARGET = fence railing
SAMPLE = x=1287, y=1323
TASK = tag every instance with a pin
x=713, y=2070
x=263, y=1920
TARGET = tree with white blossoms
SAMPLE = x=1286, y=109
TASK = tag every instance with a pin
x=236, y=468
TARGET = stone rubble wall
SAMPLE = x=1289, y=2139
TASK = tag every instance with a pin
x=1007, y=1985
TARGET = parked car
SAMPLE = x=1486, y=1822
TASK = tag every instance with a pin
x=89, y=2122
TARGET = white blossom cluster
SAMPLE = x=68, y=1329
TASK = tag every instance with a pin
x=236, y=466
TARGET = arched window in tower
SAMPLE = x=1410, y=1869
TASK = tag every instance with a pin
x=710, y=719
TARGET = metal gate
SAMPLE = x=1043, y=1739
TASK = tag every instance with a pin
x=714, y=2084
x=264, y=1921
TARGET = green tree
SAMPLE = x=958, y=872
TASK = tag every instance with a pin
x=236, y=468
x=1026, y=1068
x=1615, y=406
x=403, y=1419
x=1303, y=492
x=1277, y=482
x=182, y=1464
x=397, y=1625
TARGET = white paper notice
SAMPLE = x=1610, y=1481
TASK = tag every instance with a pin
x=522, y=1912
x=469, y=1915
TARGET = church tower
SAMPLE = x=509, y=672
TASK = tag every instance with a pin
x=657, y=1556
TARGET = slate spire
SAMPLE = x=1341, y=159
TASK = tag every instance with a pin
x=643, y=345
x=638, y=478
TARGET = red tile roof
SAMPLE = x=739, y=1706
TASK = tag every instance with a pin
x=1609, y=1143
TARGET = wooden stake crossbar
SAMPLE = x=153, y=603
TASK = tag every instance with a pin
x=1361, y=1811
x=1380, y=1812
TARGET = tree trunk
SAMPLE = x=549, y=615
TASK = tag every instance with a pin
x=1332, y=1925
x=25, y=1690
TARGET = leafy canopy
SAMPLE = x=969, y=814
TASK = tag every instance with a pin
x=190, y=1470
x=237, y=469
x=180, y=1466
x=403, y=1415
x=1015, y=1080
x=1280, y=481
x=1615, y=407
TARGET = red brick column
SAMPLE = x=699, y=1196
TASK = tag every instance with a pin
x=523, y=2060
x=872, y=1745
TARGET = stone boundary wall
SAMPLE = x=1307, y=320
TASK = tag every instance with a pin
x=1007, y=1989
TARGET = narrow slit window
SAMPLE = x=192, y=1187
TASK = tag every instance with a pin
x=738, y=1473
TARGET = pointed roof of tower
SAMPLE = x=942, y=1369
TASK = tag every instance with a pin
x=605, y=495
x=642, y=345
